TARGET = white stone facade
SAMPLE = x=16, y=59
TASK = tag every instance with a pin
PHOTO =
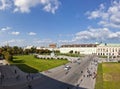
x=111, y=50
x=101, y=49
x=80, y=50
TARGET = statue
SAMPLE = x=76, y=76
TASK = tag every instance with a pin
x=52, y=53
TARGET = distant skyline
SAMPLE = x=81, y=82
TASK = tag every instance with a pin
x=41, y=22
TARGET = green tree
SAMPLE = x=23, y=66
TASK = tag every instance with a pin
x=71, y=51
x=7, y=56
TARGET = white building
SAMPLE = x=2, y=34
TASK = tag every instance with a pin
x=111, y=50
x=79, y=48
x=28, y=47
x=51, y=49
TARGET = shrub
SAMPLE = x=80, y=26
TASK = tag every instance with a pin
x=48, y=58
x=51, y=57
x=65, y=59
x=35, y=56
x=62, y=58
x=7, y=56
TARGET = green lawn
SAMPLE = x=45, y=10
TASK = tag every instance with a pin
x=28, y=63
x=108, y=76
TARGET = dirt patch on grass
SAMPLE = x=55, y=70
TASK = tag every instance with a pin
x=107, y=77
x=111, y=77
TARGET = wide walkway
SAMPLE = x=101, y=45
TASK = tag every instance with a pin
x=12, y=76
x=88, y=78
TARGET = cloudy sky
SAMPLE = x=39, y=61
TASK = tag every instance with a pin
x=40, y=22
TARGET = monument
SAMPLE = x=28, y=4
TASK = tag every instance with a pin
x=52, y=54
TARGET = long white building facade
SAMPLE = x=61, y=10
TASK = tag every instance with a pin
x=79, y=48
x=99, y=49
x=111, y=50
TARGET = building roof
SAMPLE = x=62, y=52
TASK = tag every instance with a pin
x=80, y=45
x=109, y=45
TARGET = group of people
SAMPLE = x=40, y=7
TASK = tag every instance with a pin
x=90, y=72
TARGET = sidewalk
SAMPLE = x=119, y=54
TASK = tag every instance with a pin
x=88, y=79
x=14, y=76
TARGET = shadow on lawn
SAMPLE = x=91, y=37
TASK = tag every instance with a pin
x=26, y=68
x=18, y=61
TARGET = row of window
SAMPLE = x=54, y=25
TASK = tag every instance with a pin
x=110, y=54
x=108, y=49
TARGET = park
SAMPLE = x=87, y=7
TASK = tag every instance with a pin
x=30, y=64
x=108, y=76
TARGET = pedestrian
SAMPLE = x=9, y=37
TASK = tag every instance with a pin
x=32, y=77
x=77, y=86
x=87, y=75
x=81, y=71
x=27, y=77
x=15, y=71
x=29, y=86
x=2, y=76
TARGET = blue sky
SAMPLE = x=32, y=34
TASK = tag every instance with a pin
x=41, y=22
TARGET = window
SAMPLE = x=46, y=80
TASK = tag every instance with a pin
x=116, y=49
x=107, y=50
x=113, y=49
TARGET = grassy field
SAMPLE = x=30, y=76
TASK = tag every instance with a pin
x=108, y=76
x=28, y=63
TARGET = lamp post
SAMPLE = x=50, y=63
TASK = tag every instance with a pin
x=108, y=56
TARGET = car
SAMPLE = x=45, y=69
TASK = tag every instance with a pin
x=67, y=67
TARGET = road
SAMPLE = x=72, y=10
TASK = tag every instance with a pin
x=57, y=78
x=74, y=73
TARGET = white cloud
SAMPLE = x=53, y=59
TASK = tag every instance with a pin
x=97, y=34
x=14, y=42
x=51, y=5
x=43, y=41
x=109, y=17
x=15, y=33
x=24, y=6
x=32, y=33
x=5, y=28
x=5, y=4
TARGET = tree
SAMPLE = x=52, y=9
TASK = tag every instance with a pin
x=76, y=52
x=26, y=51
x=7, y=56
x=33, y=50
x=71, y=51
